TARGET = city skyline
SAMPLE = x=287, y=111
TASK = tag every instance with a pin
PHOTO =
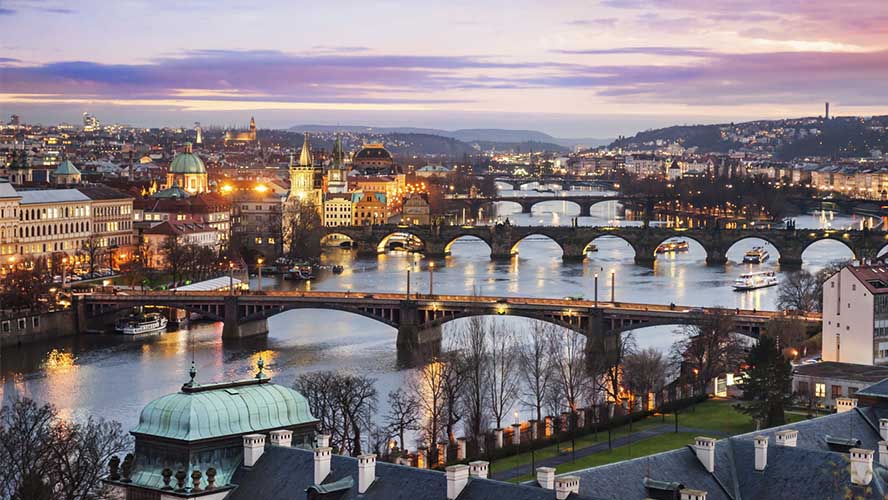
x=576, y=69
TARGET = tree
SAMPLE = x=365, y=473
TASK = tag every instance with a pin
x=709, y=348
x=46, y=457
x=472, y=342
x=788, y=331
x=343, y=403
x=93, y=250
x=454, y=377
x=403, y=415
x=502, y=379
x=21, y=288
x=301, y=229
x=428, y=388
x=766, y=383
x=644, y=372
x=174, y=254
x=799, y=292
x=535, y=366
x=572, y=377
x=605, y=361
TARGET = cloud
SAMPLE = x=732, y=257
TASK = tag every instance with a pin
x=6, y=12
x=60, y=10
x=656, y=51
x=608, y=22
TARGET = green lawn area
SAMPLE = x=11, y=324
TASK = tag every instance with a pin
x=715, y=414
x=656, y=444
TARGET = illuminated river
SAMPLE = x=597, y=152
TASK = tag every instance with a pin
x=107, y=376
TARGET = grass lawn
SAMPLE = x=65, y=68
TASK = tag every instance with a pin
x=715, y=414
x=656, y=444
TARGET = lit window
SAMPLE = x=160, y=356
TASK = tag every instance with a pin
x=820, y=390
x=258, y=240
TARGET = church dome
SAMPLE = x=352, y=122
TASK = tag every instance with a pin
x=66, y=168
x=187, y=163
x=211, y=411
x=373, y=152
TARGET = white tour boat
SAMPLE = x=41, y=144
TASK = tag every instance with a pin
x=139, y=324
x=756, y=256
x=754, y=281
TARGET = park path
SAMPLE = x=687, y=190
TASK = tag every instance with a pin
x=567, y=457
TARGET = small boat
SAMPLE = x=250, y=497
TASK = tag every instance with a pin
x=756, y=256
x=141, y=324
x=754, y=281
x=673, y=246
x=300, y=273
x=337, y=269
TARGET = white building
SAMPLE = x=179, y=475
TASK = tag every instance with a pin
x=855, y=315
x=338, y=211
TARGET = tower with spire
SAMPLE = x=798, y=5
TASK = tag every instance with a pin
x=302, y=185
x=337, y=173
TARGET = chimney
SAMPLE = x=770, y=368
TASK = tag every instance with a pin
x=883, y=453
x=546, y=477
x=565, y=485
x=366, y=471
x=479, y=468
x=883, y=428
x=254, y=445
x=761, y=452
x=457, y=478
x=281, y=437
x=323, y=440
x=322, y=463
x=787, y=437
x=705, y=449
x=845, y=404
x=861, y=466
x=689, y=494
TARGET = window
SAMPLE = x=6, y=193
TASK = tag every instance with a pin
x=22, y=323
x=803, y=388
x=820, y=390
x=836, y=391
x=35, y=321
x=258, y=240
x=4, y=327
x=271, y=241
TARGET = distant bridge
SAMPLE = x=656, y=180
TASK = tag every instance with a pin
x=417, y=317
x=503, y=239
x=584, y=202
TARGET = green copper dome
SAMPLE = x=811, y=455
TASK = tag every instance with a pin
x=66, y=168
x=187, y=163
x=210, y=411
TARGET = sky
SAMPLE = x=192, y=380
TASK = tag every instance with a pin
x=584, y=68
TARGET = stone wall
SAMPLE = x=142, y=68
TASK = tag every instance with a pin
x=24, y=328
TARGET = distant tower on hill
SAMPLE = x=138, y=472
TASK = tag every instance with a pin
x=826, y=113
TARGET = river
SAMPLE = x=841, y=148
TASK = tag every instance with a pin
x=104, y=375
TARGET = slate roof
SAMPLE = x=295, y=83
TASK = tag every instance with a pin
x=285, y=473
x=51, y=196
x=7, y=191
x=808, y=471
x=99, y=192
x=879, y=390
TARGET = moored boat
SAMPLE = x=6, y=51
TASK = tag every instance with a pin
x=141, y=324
x=756, y=256
x=673, y=246
x=754, y=281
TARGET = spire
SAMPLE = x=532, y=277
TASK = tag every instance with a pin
x=305, y=157
x=291, y=161
x=338, y=156
x=193, y=373
x=261, y=364
x=252, y=123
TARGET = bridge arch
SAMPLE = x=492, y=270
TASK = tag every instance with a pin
x=389, y=320
x=513, y=247
x=466, y=237
x=333, y=239
x=564, y=203
x=507, y=207
x=608, y=236
x=405, y=237
x=679, y=235
x=769, y=245
x=827, y=237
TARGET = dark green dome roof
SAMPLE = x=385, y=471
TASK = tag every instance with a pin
x=187, y=163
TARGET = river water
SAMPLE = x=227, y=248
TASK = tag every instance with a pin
x=104, y=375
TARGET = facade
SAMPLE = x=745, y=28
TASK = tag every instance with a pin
x=373, y=158
x=187, y=172
x=65, y=174
x=53, y=220
x=241, y=137
x=855, y=315
x=337, y=173
x=205, y=208
x=369, y=209
x=416, y=210
x=822, y=384
x=338, y=211
x=187, y=233
x=10, y=200
x=257, y=223
x=112, y=220
x=303, y=188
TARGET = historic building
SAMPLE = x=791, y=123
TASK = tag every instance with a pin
x=186, y=233
x=9, y=221
x=112, y=220
x=338, y=210
x=373, y=158
x=65, y=174
x=257, y=223
x=187, y=171
x=211, y=209
x=337, y=173
x=415, y=210
x=247, y=137
x=303, y=186
x=369, y=209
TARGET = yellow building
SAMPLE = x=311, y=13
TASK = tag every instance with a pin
x=302, y=179
x=338, y=211
x=369, y=209
x=242, y=137
x=187, y=171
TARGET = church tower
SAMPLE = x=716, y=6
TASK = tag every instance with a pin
x=252, y=128
x=337, y=174
x=302, y=177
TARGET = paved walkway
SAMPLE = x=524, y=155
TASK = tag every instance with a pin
x=566, y=457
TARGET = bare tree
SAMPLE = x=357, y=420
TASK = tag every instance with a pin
x=93, y=250
x=502, y=379
x=45, y=457
x=403, y=415
x=536, y=367
x=472, y=341
x=799, y=291
x=175, y=255
x=605, y=362
x=568, y=357
x=454, y=377
x=301, y=229
x=644, y=372
x=710, y=347
x=318, y=389
x=343, y=403
x=428, y=388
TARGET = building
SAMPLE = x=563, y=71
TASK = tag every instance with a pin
x=338, y=210
x=432, y=171
x=855, y=315
x=822, y=384
x=187, y=233
x=242, y=138
x=65, y=174
x=192, y=443
x=303, y=188
x=10, y=200
x=416, y=210
x=53, y=220
x=175, y=205
x=337, y=173
x=369, y=208
x=187, y=172
x=257, y=224
x=373, y=158
x=112, y=221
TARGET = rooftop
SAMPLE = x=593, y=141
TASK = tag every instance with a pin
x=848, y=371
x=30, y=197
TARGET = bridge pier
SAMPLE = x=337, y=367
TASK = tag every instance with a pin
x=716, y=257
x=646, y=260
x=414, y=338
x=573, y=252
x=235, y=328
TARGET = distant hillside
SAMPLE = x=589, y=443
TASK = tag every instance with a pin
x=705, y=137
x=497, y=136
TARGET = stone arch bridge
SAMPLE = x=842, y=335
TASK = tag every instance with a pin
x=503, y=239
x=584, y=202
x=418, y=318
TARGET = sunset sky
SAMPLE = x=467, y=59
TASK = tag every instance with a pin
x=569, y=68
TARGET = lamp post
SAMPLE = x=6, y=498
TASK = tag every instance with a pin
x=613, y=284
x=64, y=271
x=230, y=278
x=431, y=278
x=596, y=290
x=408, y=282
x=259, y=262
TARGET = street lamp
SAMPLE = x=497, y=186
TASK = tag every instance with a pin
x=431, y=278
x=408, y=282
x=231, y=278
x=613, y=282
x=596, y=290
x=259, y=262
